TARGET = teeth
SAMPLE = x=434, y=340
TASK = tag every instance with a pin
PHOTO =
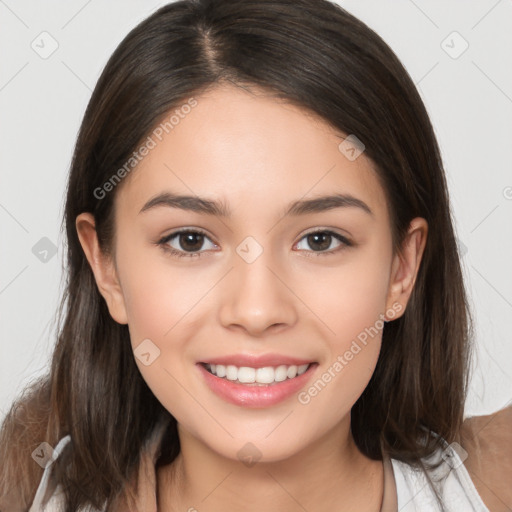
x=265, y=375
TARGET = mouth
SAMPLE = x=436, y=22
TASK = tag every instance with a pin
x=251, y=387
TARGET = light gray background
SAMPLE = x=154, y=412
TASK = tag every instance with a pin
x=42, y=101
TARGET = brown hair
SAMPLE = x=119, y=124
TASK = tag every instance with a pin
x=313, y=54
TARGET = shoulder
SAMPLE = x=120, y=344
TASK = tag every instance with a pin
x=488, y=443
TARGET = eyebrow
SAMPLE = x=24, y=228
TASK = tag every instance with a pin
x=220, y=209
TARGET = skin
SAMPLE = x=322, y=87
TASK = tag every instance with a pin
x=257, y=154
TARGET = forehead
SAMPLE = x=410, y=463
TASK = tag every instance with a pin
x=251, y=151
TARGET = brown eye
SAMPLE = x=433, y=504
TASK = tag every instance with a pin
x=321, y=241
x=185, y=243
x=190, y=241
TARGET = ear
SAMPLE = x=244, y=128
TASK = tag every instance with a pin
x=406, y=263
x=102, y=266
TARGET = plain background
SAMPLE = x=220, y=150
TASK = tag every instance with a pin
x=468, y=95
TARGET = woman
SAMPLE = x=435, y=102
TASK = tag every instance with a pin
x=264, y=291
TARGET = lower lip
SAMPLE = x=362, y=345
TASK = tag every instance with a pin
x=256, y=395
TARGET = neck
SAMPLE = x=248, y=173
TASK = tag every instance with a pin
x=317, y=479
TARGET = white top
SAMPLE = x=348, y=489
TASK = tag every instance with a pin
x=413, y=491
x=452, y=479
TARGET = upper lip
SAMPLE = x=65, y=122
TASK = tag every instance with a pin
x=256, y=361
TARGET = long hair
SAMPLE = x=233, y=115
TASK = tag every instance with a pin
x=313, y=54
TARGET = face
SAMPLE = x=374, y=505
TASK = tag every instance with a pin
x=257, y=280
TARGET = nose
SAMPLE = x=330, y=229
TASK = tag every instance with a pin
x=257, y=298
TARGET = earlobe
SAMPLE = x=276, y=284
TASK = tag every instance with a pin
x=102, y=267
x=406, y=264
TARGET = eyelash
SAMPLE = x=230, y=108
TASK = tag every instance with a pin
x=180, y=254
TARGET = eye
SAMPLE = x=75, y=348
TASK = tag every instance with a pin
x=188, y=242
x=322, y=240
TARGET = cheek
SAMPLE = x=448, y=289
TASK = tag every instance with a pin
x=160, y=301
x=351, y=300
x=157, y=294
x=349, y=297
x=156, y=312
x=351, y=356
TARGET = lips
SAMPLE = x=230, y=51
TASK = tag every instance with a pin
x=256, y=361
x=255, y=395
